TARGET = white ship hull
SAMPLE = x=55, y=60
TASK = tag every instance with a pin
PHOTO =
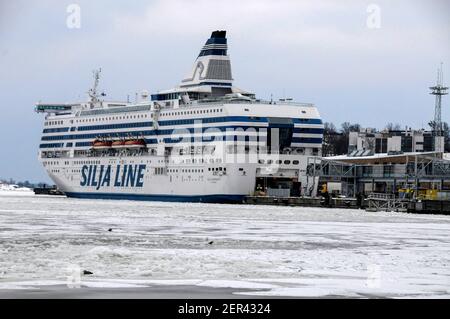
x=139, y=178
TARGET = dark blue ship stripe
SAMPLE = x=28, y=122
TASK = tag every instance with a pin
x=170, y=132
x=178, y=122
x=306, y=140
x=216, y=198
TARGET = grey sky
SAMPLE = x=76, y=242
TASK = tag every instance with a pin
x=314, y=51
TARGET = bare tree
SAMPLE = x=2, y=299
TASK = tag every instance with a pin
x=330, y=139
x=348, y=127
x=393, y=127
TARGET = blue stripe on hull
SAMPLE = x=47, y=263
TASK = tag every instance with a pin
x=162, y=198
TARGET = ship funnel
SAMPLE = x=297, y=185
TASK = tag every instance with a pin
x=212, y=66
x=216, y=44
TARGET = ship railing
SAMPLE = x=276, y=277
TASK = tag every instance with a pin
x=265, y=102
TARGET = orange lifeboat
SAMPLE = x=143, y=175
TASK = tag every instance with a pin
x=118, y=144
x=135, y=143
x=101, y=144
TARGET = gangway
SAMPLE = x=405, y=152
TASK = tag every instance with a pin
x=385, y=202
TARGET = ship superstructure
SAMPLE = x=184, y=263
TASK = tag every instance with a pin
x=204, y=140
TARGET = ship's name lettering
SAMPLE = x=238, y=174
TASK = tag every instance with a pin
x=101, y=176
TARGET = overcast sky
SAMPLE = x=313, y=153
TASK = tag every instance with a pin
x=322, y=52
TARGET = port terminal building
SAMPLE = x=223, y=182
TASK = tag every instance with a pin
x=394, y=141
x=410, y=174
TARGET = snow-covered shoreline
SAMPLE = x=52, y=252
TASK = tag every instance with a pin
x=12, y=189
x=27, y=192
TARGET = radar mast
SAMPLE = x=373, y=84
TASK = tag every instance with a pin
x=93, y=94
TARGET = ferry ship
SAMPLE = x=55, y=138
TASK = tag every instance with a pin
x=203, y=141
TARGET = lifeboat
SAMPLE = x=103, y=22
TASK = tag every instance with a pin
x=118, y=144
x=101, y=144
x=135, y=143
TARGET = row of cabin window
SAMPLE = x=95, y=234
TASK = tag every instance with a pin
x=112, y=126
x=145, y=115
x=157, y=169
x=191, y=112
x=151, y=115
x=48, y=123
x=85, y=162
x=192, y=171
x=286, y=162
x=138, y=116
x=160, y=170
x=217, y=169
x=194, y=161
x=121, y=125
x=45, y=163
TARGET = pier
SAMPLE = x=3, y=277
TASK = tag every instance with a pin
x=370, y=204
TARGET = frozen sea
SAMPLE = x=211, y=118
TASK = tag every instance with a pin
x=251, y=250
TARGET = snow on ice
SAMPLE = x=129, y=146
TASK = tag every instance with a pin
x=273, y=251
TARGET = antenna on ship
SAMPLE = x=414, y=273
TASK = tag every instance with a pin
x=93, y=94
x=438, y=90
